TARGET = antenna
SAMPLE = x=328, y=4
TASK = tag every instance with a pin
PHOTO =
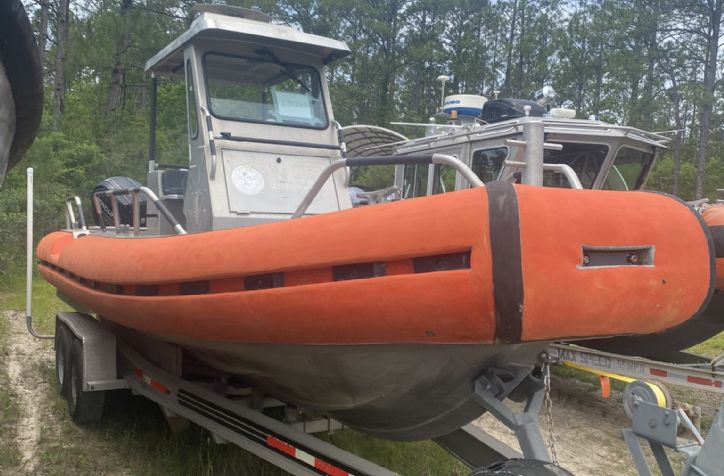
x=443, y=79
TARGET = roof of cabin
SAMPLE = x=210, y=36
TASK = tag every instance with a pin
x=219, y=25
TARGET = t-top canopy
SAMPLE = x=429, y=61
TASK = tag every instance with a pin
x=248, y=26
x=365, y=141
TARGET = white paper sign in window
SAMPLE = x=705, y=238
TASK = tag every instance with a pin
x=292, y=105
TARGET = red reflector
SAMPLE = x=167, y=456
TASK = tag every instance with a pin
x=700, y=381
x=281, y=446
x=659, y=373
x=158, y=386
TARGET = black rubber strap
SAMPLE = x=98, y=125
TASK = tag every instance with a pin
x=717, y=234
x=507, y=267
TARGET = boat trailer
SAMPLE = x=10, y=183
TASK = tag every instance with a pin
x=647, y=403
x=91, y=358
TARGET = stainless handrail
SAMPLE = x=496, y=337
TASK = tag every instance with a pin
x=212, y=143
x=136, y=220
x=75, y=224
x=563, y=169
x=437, y=159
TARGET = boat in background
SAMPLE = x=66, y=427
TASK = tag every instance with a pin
x=501, y=234
x=495, y=139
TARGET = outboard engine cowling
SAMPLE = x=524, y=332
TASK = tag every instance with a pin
x=125, y=202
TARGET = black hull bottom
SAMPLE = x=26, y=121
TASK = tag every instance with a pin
x=392, y=391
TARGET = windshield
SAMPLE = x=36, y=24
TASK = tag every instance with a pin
x=264, y=90
x=629, y=169
x=585, y=159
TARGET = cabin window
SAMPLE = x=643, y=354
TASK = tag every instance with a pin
x=586, y=161
x=629, y=169
x=264, y=90
x=444, y=179
x=191, y=103
x=415, y=181
x=488, y=162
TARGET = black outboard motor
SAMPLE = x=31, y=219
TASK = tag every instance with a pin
x=125, y=202
x=504, y=109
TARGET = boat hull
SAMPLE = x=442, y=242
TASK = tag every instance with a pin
x=393, y=391
x=383, y=317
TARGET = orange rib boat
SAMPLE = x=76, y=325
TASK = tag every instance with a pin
x=366, y=311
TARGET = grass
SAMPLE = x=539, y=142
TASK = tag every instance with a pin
x=9, y=410
x=710, y=348
x=9, y=414
x=45, y=303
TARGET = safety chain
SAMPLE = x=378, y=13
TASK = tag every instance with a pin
x=548, y=403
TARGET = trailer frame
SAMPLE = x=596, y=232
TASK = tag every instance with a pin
x=112, y=360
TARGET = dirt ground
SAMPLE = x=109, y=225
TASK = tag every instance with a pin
x=29, y=386
x=587, y=429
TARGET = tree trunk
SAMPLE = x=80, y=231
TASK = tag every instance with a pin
x=118, y=73
x=511, y=37
x=43, y=27
x=60, y=57
x=676, y=99
x=715, y=17
x=521, y=40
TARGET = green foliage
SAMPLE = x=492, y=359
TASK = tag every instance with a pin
x=62, y=168
x=635, y=62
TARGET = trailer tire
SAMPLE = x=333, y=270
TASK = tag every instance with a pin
x=85, y=408
x=63, y=341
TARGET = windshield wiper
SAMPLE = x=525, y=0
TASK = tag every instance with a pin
x=285, y=67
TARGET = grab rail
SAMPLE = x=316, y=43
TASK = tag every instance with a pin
x=212, y=143
x=563, y=169
x=77, y=225
x=136, y=216
x=437, y=159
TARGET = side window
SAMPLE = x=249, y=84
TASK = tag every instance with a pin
x=191, y=103
x=488, y=162
x=586, y=161
x=415, y=184
x=444, y=179
x=629, y=170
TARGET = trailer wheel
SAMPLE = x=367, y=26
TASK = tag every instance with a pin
x=522, y=467
x=63, y=341
x=85, y=408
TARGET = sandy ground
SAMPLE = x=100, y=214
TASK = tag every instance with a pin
x=29, y=386
x=588, y=429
